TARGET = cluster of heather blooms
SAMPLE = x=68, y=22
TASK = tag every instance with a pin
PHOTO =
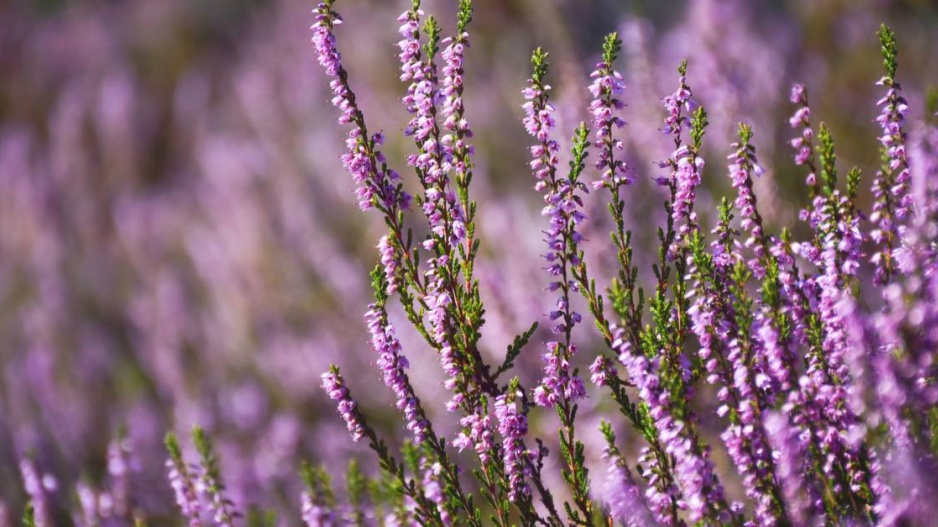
x=825, y=385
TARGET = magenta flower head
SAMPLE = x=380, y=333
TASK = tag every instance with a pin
x=892, y=199
x=607, y=89
x=334, y=385
x=513, y=426
x=182, y=481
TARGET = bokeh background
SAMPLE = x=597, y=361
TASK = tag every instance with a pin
x=179, y=243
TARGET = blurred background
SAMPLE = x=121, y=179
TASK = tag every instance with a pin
x=180, y=245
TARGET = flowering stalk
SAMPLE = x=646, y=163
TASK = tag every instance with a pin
x=804, y=147
x=513, y=426
x=335, y=386
x=378, y=186
x=621, y=493
x=318, y=503
x=210, y=482
x=182, y=482
x=685, y=163
x=393, y=363
x=561, y=385
x=892, y=200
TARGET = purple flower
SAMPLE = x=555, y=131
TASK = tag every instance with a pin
x=477, y=433
x=621, y=493
x=693, y=470
x=392, y=364
x=433, y=491
x=790, y=470
x=37, y=487
x=892, y=200
x=315, y=514
x=563, y=209
x=334, y=385
x=606, y=88
x=602, y=370
x=182, y=482
x=744, y=165
x=376, y=183
x=686, y=168
x=390, y=261
x=513, y=426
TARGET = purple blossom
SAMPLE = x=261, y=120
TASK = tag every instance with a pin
x=334, y=385
x=678, y=106
x=513, y=426
x=892, y=200
x=622, y=494
x=606, y=88
x=38, y=486
x=315, y=514
x=790, y=470
x=693, y=470
x=602, y=370
x=390, y=262
x=684, y=163
x=181, y=481
x=743, y=166
x=659, y=499
x=376, y=183
x=686, y=169
x=392, y=364
x=433, y=491
x=563, y=208
x=478, y=433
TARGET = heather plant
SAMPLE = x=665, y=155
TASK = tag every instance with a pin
x=824, y=380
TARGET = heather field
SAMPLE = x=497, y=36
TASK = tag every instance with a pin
x=468, y=262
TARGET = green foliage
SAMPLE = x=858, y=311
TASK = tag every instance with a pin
x=29, y=515
x=540, y=66
x=515, y=348
x=432, y=29
x=828, y=159
x=464, y=17
x=611, y=48
x=698, y=128
x=887, y=41
x=356, y=485
x=203, y=444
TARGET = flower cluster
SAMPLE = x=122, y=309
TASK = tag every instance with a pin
x=393, y=363
x=513, y=426
x=892, y=200
x=607, y=88
x=334, y=385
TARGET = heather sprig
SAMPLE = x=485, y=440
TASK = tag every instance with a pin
x=39, y=507
x=182, y=481
x=621, y=493
x=393, y=363
x=318, y=508
x=892, y=200
x=426, y=512
x=378, y=186
x=210, y=481
x=607, y=88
